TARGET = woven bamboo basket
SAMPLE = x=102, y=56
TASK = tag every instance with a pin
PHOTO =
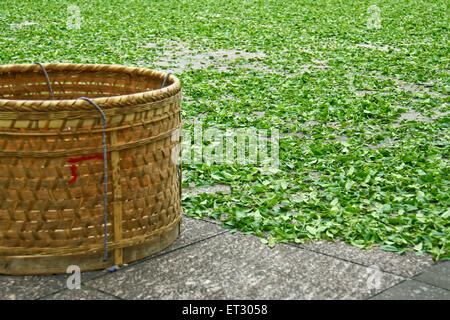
x=52, y=178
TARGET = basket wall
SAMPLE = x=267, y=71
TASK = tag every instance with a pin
x=46, y=209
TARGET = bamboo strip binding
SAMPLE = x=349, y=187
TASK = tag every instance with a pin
x=43, y=217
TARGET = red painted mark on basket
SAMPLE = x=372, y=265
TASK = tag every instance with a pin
x=73, y=168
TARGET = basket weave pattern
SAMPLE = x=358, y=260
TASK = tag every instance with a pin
x=47, y=208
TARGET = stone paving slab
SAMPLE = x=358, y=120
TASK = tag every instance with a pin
x=438, y=275
x=29, y=287
x=241, y=267
x=35, y=287
x=405, y=265
x=413, y=290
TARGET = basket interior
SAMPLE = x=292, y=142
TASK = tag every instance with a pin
x=32, y=85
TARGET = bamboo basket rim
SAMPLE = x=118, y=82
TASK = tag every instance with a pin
x=122, y=100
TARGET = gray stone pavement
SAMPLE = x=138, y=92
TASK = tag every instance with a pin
x=207, y=262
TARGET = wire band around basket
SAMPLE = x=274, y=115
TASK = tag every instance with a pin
x=105, y=160
x=48, y=79
x=165, y=79
x=105, y=175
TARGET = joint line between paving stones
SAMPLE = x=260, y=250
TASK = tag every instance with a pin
x=386, y=289
x=176, y=249
x=218, y=223
x=209, y=220
x=83, y=285
x=101, y=291
x=427, y=283
x=343, y=259
x=422, y=281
